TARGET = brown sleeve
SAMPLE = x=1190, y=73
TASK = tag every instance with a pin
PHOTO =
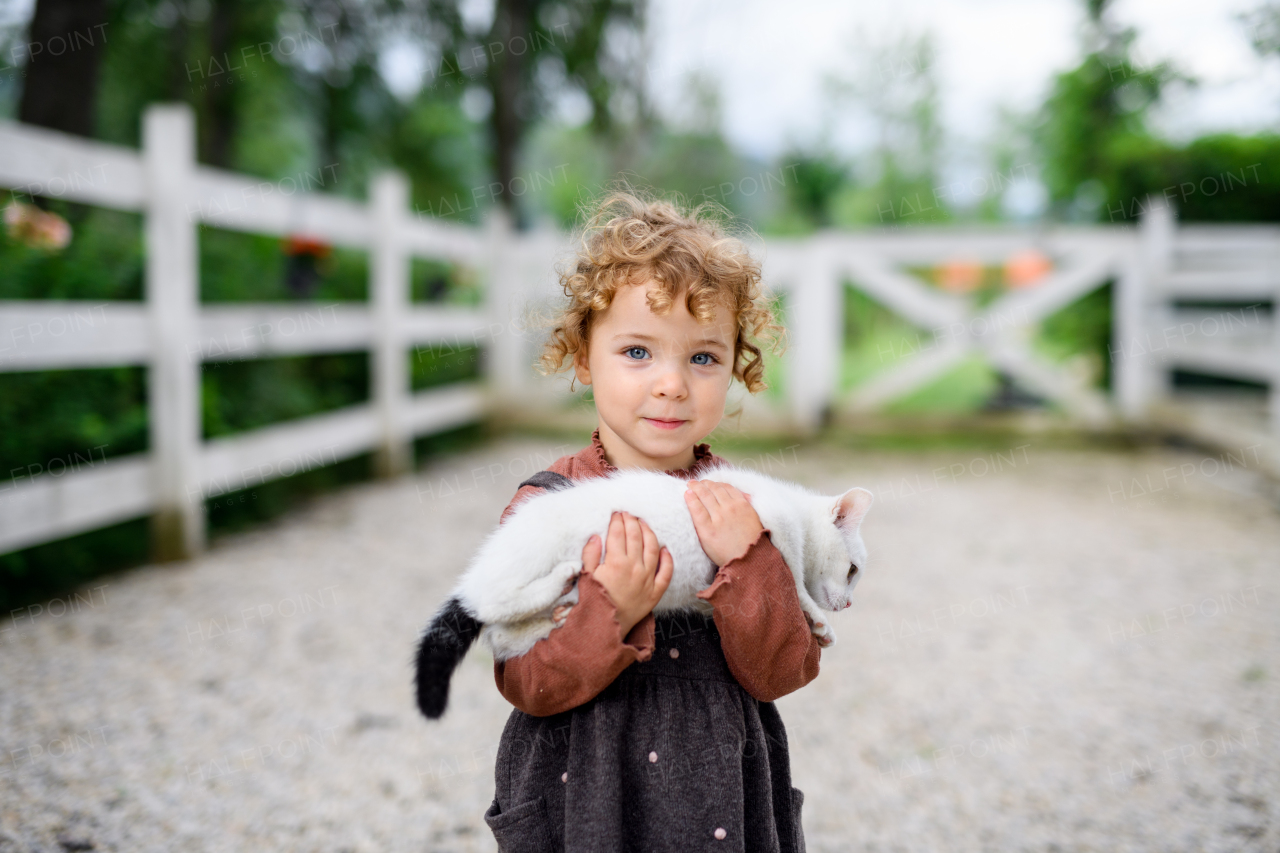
x=580, y=658
x=522, y=494
x=765, y=637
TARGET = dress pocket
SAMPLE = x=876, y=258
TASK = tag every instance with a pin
x=797, y=800
x=522, y=829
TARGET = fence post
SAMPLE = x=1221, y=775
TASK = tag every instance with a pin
x=505, y=301
x=1273, y=393
x=389, y=290
x=173, y=302
x=815, y=333
x=1139, y=378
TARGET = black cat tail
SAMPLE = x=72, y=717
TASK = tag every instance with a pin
x=443, y=646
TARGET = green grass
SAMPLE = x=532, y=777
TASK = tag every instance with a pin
x=963, y=389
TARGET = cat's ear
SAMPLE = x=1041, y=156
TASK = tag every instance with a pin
x=850, y=508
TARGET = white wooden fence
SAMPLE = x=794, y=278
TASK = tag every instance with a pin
x=1202, y=299
x=172, y=334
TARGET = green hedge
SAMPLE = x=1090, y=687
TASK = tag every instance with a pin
x=66, y=419
x=1221, y=178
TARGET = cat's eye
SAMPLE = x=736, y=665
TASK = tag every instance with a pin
x=853, y=571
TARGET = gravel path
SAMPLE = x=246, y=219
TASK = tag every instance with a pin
x=1046, y=653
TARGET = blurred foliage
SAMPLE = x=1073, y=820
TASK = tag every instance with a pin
x=1082, y=331
x=281, y=89
x=442, y=282
x=442, y=364
x=1218, y=178
x=245, y=395
x=896, y=87
x=815, y=179
x=56, y=421
x=56, y=568
x=590, y=48
x=1263, y=26
x=1090, y=111
x=69, y=416
x=698, y=166
x=1100, y=159
x=874, y=338
x=962, y=390
x=233, y=511
x=103, y=261
x=237, y=267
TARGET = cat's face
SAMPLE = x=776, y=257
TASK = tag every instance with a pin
x=842, y=556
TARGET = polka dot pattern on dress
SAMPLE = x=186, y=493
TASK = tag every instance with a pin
x=675, y=653
x=653, y=757
x=720, y=833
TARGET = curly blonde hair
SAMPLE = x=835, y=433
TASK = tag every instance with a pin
x=630, y=239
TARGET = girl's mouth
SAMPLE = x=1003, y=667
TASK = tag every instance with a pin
x=664, y=424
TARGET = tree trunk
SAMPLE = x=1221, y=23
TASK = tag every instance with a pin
x=219, y=99
x=508, y=76
x=63, y=52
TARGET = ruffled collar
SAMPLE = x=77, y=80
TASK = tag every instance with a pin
x=701, y=456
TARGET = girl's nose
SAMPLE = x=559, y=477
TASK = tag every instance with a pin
x=671, y=383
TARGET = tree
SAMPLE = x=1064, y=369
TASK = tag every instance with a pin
x=1090, y=111
x=896, y=87
x=1264, y=28
x=63, y=51
x=531, y=50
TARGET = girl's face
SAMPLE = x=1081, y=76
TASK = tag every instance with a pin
x=659, y=381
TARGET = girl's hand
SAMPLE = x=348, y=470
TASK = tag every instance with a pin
x=724, y=519
x=635, y=572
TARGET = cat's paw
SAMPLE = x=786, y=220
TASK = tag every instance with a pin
x=561, y=613
x=821, y=630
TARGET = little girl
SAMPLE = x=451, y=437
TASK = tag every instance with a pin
x=636, y=733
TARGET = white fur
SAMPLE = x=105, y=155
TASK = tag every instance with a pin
x=516, y=583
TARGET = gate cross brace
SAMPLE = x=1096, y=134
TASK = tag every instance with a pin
x=1001, y=332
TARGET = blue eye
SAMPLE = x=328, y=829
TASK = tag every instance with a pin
x=706, y=363
x=634, y=349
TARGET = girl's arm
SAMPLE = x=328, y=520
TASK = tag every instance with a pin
x=765, y=637
x=763, y=632
x=580, y=658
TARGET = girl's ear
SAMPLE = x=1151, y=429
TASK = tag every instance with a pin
x=581, y=366
x=850, y=508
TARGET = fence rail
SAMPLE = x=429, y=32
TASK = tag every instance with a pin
x=1162, y=276
x=172, y=334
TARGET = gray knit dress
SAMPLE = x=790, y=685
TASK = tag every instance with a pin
x=673, y=756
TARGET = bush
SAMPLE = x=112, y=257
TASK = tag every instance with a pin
x=1222, y=178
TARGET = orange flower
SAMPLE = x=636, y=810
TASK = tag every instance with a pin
x=36, y=228
x=299, y=244
x=1026, y=269
x=959, y=275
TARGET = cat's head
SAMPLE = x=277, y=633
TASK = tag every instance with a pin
x=841, y=554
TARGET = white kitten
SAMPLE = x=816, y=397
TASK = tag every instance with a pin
x=520, y=585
